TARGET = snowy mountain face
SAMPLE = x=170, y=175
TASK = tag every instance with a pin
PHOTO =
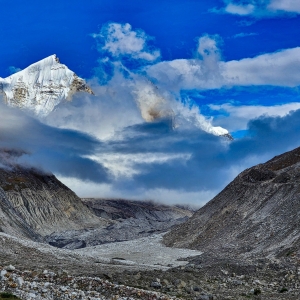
x=42, y=86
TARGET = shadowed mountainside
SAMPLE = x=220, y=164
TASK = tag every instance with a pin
x=257, y=213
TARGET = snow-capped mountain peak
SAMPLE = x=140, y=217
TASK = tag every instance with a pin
x=42, y=86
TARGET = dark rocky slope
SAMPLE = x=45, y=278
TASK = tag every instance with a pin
x=114, y=209
x=129, y=220
x=36, y=204
x=258, y=213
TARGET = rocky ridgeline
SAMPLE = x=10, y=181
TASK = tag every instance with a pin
x=49, y=285
x=120, y=209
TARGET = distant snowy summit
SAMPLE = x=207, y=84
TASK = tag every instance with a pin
x=42, y=86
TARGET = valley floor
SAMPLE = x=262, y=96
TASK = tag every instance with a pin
x=140, y=269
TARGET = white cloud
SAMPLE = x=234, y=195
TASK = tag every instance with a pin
x=13, y=69
x=242, y=10
x=210, y=55
x=207, y=46
x=261, y=8
x=285, y=5
x=244, y=34
x=239, y=116
x=120, y=40
x=280, y=68
x=86, y=189
x=124, y=164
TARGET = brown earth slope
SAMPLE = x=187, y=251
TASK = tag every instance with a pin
x=257, y=213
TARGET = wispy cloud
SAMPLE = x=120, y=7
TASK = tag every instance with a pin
x=244, y=34
x=240, y=9
x=260, y=8
x=13, y=69
x=292, y=6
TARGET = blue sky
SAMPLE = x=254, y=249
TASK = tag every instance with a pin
x=230, y=63
x=33, y=30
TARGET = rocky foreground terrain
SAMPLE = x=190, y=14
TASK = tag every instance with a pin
x=43, y=272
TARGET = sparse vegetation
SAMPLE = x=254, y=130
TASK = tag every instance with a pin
x=283, y=290
x=7, y=296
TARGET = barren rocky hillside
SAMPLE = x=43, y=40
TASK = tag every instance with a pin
x=258, y=213
x=36, y=204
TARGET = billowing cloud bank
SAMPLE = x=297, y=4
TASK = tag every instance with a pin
x=148, y=160
x=281, y=68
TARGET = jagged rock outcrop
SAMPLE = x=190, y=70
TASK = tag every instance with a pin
x=258, y=213
x=129, y=220
x=36, y=203
x=40, y=87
